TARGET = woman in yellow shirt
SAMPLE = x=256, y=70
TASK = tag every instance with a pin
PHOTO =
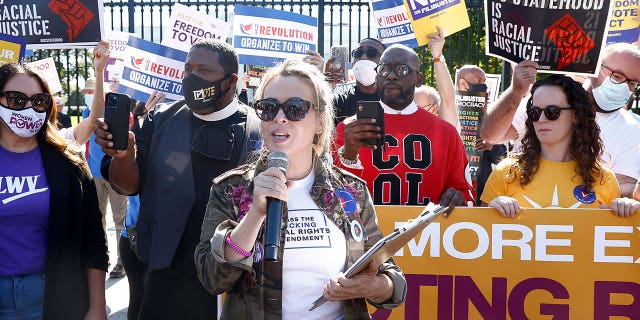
x=560, y=163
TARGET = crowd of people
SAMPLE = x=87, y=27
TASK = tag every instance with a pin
x=189, y=195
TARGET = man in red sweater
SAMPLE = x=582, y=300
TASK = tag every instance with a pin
x=423, y=160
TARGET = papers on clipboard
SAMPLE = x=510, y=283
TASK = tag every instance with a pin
x=386, y=247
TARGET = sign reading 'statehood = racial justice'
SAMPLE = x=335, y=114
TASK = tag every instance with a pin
x=563, y=36
x=53, y=23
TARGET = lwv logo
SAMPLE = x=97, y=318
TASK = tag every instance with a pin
x=16, y=185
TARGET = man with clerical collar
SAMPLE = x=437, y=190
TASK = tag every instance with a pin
x=171, y=162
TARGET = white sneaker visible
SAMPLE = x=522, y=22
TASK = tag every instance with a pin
x=117, y=271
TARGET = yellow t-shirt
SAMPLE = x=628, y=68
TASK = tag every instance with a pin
x=555, y=184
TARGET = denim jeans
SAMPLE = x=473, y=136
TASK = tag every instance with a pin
x=21, y=297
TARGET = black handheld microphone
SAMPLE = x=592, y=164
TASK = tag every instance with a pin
x=276, y=159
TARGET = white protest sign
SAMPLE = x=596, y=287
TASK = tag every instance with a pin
x=150, y=66
x=187, y=26
x=47, y=69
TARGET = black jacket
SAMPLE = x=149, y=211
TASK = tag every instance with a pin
x=76, y=239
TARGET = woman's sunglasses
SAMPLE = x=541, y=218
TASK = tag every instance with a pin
x=17, y=100
x=551, y=112
x=370, y=53
x=295, y=109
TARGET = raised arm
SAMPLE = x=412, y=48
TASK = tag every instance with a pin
x=83, y=130
x=496, y=126
x=444, y=83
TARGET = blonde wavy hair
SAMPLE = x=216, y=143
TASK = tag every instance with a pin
x=323, y=103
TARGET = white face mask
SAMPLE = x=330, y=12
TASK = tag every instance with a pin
x=88, y=99
x=25, y=123
x=610, y=95
x=365, y=72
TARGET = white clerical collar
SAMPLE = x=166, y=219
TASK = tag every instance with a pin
x=226, y=112
x=411, y=108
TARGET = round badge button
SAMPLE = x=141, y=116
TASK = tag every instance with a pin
x=584, y=195
x=356, y=231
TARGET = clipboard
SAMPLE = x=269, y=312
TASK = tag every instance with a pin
x=386, y=247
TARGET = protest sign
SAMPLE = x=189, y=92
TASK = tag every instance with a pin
x=255, y=74
x=53, y=24
x=393, y=23
x=187, y=26
x=471, y=107
x=545, y=263
x=150, y=66
x=11, y=48
x=264, y=37
x=561, y=36
x=625, y=22
x=350, y=82
x=117, y=46
x=425, y=15
x=47, y=69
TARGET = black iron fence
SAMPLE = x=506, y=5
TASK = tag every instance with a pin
x=340, y=22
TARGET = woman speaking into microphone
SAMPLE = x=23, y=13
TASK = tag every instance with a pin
x=327, y=217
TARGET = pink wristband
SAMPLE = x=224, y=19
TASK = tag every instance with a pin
x=235, y=247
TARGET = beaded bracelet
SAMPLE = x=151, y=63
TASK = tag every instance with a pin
x=235, y=247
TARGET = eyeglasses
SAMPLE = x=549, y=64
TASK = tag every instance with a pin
x=620, y=78
x=369, y=52
x=17, y=100
x=401, y=70
x=551, y=112
x=295, y=109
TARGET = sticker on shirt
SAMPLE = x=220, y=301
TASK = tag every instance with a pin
x=258, y=145
x=356, y=230
x=347, y=200
x=584, y=195
x=308, y=228
x=258, y=252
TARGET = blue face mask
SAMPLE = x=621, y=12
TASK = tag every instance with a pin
x=611, y=96
x=88, y=100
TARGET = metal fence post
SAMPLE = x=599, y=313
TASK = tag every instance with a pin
x=320, y=26
x=132, y=10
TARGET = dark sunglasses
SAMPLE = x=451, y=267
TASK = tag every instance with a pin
x=17, y=100
x=295, y=109
x=551, y=112
x=369, y=52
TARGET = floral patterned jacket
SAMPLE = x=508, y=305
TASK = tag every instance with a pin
x=254, y=288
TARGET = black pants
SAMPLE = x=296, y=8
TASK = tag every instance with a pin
x=135, y=275
x=168, y=295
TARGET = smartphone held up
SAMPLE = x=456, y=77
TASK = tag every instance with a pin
x=337, y=65
x=372, y=110
x=116, y=116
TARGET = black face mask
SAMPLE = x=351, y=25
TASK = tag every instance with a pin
x=201, y=94
x=477, y=87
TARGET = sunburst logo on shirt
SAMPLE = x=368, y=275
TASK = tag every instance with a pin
x=554, y=201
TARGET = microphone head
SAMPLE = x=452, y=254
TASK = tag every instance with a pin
x=278, y=159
